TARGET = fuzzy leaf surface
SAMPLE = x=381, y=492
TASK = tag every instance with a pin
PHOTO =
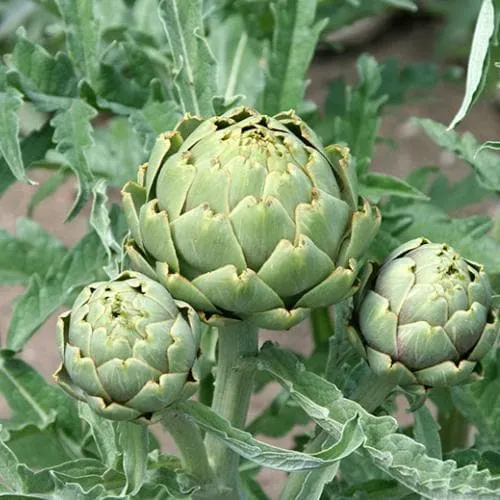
x=480, y=402
x=31, y=251
x=50, y=82
x=271, y=456
x=33, y=148
x=194, y=65
x=101, y=222
x=10, y=104
x=32, y=399
x=485, y=164
x=81, y=265
x=73, y=136
x=477, y=66
x=239, y=55
x=104, y=434
x=9, y=474
x=396, y=454
x=82, y=35
x=295, y=36
x=153, y=119
x=134, y=442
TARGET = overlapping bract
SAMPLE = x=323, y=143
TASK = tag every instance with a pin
x=129, y=350
x=247, y=217
x=427, y=317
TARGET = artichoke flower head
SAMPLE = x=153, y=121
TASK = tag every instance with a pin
x=426, y=318
x=247, y=217
x=128, y=349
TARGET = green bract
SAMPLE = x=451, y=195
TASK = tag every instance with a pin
x=128, y=348
x=427, y=318
x=247, y=217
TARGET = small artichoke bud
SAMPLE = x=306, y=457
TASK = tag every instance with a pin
x=426, y=318
x=247, y=217
x=128, y=349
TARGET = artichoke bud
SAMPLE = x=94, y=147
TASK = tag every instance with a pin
x=426, y=317
x=247, y=217
x=128, y=348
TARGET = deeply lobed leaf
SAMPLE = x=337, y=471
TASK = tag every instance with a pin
x=394, y=453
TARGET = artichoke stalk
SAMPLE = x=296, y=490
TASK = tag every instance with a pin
x=251, y=221
x=128, y=348
x=426, y=318
x=248, y=218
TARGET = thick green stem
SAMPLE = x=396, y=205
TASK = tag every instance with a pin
x=233, y=388
x=207, y=363
x=206, y=392
x=189, y=441
x=321, y=325
x=454, y=430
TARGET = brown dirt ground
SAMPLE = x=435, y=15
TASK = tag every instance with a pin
x=413, y=42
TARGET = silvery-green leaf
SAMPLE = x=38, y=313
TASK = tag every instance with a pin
x=296, y=33
x=73, y=136
x=10, y=104
x=104, y=434
x=477, y=66
x=134, y=443
x=32, y=399
x=194, y=64
x=82, y=35
x=426, y=431
x=80, y=266
x=271, y=456
x=396, y=454
x=9, y=474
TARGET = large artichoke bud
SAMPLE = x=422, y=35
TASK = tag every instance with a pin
x=247, y=217
x=427, y=318
x=129, y=350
